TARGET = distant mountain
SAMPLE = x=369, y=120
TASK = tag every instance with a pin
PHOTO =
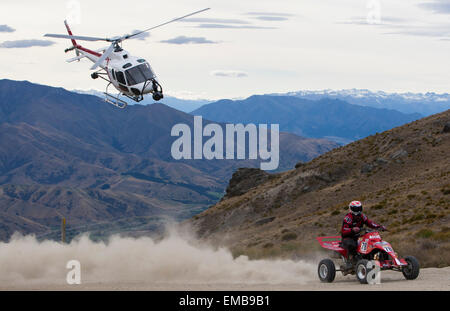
x=425, y=104
x=64, y=154
x=325, y=118
x=185, y=105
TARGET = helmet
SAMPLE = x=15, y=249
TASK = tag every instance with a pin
x=355, y=207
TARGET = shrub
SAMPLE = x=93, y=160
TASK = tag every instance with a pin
x=378, y=206
x=425, y=233
x=268, y=245
x=442, y=236
x=289, y=236
x=417, y=217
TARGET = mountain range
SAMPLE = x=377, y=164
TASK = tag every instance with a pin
x=424, y=103
x=325, y=118
x=104, y=169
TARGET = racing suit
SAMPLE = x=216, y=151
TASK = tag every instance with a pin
x=349, y=237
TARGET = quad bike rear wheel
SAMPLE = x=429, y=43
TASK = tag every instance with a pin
x=411, y=271
x=326, y=270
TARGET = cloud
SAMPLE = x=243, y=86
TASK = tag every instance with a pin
x=269, y=14
x=188, y=40
x=272, y=18
x=400, y=26
x=439, y=31
x=6, y=28
x=229, y=73
x=142, y=36
x=25, y=43
x=215, y=21
x=437, y=6
x=223, y=23
x=385, y=21
x=222, y=26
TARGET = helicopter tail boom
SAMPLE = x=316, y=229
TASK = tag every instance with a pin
x=79, y=50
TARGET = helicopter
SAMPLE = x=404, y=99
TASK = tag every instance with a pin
x=132, y=76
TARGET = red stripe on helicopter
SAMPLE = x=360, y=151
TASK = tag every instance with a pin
x=89, y=51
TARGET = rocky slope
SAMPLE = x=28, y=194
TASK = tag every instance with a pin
x=401, y=175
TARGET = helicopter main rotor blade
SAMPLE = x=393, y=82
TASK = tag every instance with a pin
x=171, y=21
x=104, y=56
x=82, y=38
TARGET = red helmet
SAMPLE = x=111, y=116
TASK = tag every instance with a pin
x=355, y=207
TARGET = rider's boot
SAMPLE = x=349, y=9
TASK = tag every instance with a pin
x=348, y=263
x=351, y=261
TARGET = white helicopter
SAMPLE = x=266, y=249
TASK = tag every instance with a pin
x=131, y=76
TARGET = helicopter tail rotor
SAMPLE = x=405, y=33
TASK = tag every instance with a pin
x=74, y=43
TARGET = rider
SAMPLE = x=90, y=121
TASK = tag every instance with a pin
x=353, y=222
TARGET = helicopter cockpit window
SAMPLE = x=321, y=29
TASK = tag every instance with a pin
x=141, y=60
x=120, y=77
x=139, y=74
x=127, y=65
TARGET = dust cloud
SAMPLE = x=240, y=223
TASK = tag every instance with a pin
x=175, y=259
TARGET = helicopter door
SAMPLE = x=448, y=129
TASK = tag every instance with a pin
x=121, y=79
x=113, y=74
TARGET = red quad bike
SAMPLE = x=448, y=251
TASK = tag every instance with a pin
x=370, y=247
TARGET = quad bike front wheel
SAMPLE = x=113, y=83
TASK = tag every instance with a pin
x=326, y=270
x=411, y=271
x=362, y=271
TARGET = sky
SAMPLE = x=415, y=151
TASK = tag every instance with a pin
x=240, y=47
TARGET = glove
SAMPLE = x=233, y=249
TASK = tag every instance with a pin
x=356, y=229
x=383, y=228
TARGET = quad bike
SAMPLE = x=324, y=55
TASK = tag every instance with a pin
x=370, y=248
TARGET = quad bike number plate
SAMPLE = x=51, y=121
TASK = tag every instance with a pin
x=364, y=246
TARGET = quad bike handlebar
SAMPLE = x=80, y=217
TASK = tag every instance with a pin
x=365, y=230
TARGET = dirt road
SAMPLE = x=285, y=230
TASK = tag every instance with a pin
x=429, y=279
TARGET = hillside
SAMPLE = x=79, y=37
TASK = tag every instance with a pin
x=325, y=118
x=401, y=175
x=64, y=154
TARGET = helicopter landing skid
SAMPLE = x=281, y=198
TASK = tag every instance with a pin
x=114, y=100
x=135, y=98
